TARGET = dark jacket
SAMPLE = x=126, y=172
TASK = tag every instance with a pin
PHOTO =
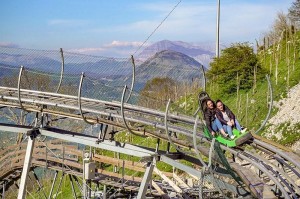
x=209, y=116
x=219, y=115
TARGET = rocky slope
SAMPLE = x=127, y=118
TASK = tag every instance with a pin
x=287, y=118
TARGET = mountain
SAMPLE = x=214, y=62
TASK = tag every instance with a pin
x=167, y=63
x=202, y=53
x=96, y=67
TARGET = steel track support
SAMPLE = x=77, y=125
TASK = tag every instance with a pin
x=73, y=188
x=146, y=180
x=104, y=191
x=61, y=179
x=53, y=183
x=39, y=184
x=78, y=185
x=27, y=162
x=3, y=190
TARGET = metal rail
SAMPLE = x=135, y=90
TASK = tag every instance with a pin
x=33, y=100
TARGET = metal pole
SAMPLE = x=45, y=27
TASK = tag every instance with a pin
x=3, y=190
x=26, y=167
x=62, y=176
x=53, y=183
x=146, y=180
x=104, y=191
x=83, y=179
x=39, y=184
x=73, y=188
x=218, y=31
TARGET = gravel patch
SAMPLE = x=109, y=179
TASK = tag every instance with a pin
x=288, y=115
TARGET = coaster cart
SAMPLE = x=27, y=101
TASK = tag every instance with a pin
x=240, y=138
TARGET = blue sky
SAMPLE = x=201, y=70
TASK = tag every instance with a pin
x=118, y=27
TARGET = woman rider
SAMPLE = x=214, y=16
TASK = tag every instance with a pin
x=213, y=124
x=227, y=119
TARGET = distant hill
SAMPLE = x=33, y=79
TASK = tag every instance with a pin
x=201, y=53
x=96, y=67
x=110, y=71
x=167, y=63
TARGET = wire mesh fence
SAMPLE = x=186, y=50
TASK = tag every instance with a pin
x=151, y=84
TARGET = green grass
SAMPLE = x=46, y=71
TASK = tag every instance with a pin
x=251, y=106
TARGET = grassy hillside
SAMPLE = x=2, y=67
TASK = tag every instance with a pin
x=251, y=106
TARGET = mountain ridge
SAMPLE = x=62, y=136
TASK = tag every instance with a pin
x=201, y=54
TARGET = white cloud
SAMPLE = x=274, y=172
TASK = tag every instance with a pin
x=191, y=22
x=8, y=45
x=115, y=49
x=116, y=44
x=87, y=50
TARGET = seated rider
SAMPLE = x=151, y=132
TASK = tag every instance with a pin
x=227, y=119
x=213, y=124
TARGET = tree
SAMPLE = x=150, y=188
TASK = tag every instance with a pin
x=239, y=59
x=157, y=92
x=294, y=12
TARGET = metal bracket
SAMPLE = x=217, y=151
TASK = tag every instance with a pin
x=167, y=130
x=133, y=78
x=123, y=116
x=270, y=105
x=19, y=87
x=195, y=143
x=62, y=69
x=79, y=100
x=33, y=133
x=204, y=88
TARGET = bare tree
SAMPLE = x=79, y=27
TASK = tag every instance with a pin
x=294, y=12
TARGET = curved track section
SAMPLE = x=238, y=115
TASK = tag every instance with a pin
x=269, y=171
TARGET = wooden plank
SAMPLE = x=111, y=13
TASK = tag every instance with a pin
x=181, y=183
x=170, y=182
x=159, y=190
x=257, y=187
x=117, y=175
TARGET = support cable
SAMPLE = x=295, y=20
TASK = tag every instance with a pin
x=39, y=183
x=38, y=189
x=78, y=184
x=157, y=27
x=59, y=186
